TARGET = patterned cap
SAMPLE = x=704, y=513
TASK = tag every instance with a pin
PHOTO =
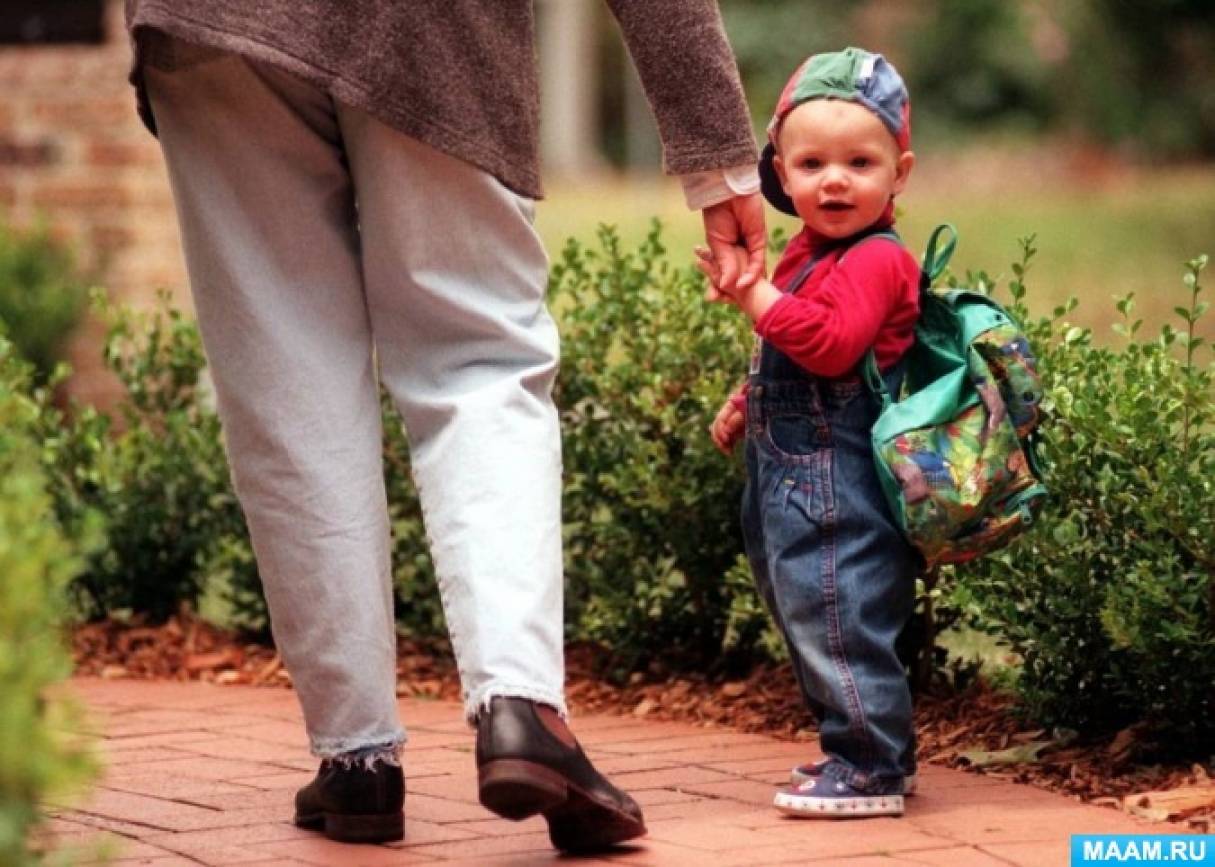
x=852, y=74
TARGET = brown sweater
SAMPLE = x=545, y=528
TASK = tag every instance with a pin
x=460, y=75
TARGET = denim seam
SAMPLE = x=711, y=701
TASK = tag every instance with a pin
x=800, y=674
x=856, y=715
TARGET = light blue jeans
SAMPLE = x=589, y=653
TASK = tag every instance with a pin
x=318, y=241
x=831, y=565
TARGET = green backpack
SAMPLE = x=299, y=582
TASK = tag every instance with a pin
x=956, y=450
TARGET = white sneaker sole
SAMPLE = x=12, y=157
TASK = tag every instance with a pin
x=796, y=778
x=838, y=808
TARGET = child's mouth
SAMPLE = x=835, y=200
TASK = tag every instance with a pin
x=835, y=206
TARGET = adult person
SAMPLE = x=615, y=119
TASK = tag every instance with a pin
x=355, y=181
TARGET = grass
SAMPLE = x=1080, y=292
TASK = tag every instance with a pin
x=1098, y=237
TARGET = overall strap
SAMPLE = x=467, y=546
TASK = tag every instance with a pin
x=846, y=244
x=804, y=274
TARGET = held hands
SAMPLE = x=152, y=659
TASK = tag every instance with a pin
x=715, y=265
x=727, y=429
x=739, y=219
x=753, y=300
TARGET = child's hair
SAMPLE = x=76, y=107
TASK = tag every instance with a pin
x=853, y=74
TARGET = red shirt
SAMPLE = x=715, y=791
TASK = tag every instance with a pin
x=844, y=308
x=870, y=299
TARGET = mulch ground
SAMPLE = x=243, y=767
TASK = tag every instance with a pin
x=960, y=730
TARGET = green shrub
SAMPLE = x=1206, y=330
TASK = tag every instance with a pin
x=650, y=508
x=161, y=480
x=37, y=755
x=1005, y=80
x=1143, y=81
x=1112, y=603
x=41, y=297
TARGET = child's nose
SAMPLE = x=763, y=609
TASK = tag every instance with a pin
x=835, y=177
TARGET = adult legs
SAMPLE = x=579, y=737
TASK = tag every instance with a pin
x=446, y=276
x=455, y=278
x=269, y=228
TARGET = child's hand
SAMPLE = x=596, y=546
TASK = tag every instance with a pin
x=707, y=264
x=755, y=300
x=727, y=428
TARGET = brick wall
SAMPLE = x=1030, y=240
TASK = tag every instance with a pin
x=74, y=154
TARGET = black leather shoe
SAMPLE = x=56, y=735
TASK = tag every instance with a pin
x=528, y=762
x=354, y=804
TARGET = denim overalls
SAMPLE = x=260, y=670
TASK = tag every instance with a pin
x=832, y=567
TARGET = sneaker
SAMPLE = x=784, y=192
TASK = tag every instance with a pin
x=827, y=798
x=803, y=774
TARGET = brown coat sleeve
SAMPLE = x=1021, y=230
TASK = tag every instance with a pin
x=691, y=79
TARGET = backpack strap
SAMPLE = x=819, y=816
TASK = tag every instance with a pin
x=931, y=267
x=935, y=260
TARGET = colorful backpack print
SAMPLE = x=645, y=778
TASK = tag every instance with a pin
x=956, y=450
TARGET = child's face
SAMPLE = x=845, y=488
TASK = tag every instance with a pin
x=839, y=165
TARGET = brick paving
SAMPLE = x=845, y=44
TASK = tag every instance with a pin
x=203, y=774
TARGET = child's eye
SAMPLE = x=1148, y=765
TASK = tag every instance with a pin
x=812, y=163
x=860, y=162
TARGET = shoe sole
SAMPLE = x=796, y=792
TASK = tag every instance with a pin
x=838, y=808
x=372, y=828
x=796, y=778
x=516, y=789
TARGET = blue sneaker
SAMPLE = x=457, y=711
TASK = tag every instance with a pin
x=812, y=770
x=826, y=798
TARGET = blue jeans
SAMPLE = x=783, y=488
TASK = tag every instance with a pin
x=833, y=569
x=322, y=244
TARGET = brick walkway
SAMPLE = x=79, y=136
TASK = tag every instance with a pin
x=201, y=774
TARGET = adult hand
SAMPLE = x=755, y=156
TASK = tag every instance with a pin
x=740, y=219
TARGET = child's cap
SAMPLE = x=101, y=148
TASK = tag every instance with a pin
x=852, y=74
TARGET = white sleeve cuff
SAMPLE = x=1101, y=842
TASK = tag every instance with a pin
x=705, y=189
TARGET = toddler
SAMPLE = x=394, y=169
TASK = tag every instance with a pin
x=831, y=565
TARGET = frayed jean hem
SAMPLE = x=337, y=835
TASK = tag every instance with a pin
x=365, y=751
x=479, y=699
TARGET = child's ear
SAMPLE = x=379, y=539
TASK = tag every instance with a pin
x=902, y=170
x=779, y=165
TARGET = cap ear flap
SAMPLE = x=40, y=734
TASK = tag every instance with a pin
x=771, y=184
x=778, y=165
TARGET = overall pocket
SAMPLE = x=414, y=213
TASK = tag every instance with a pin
x=794, y=436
